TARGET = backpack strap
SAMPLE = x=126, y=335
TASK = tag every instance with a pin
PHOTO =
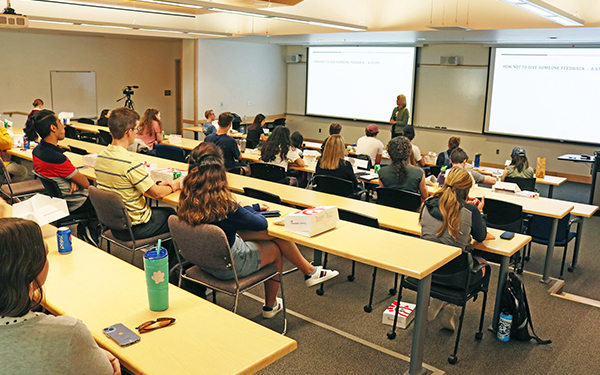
x=533, y=334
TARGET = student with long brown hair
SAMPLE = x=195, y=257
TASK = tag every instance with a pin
x=519, y=166
x=206, y=199
x=401, y=174
x=278, y=150
x=255, y=132
x=150, y=128
x=332, y=162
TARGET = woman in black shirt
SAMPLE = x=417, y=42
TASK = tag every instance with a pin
x=255, y=132
x=332, y=161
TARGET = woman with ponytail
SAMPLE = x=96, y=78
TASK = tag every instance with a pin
x=206, y=199
x=452, y=218
x=400, y=174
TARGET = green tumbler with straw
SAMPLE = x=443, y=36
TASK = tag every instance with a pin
x=156, y=265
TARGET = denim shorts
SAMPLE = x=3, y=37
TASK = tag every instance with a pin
x=246, y=258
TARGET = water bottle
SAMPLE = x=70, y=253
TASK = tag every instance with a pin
x=477, y=159
x=156, y=266
x=242, y=145
x=504, y=325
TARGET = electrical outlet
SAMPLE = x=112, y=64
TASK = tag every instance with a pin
x=497, y=152
x=221, y=104
x=319, y=130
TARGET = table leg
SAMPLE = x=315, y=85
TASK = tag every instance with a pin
x=550, y=252
x=195, y=136
x=577, y=243
x=317, y=258
x=416, y=353
x=502, y=274
x=550, y=190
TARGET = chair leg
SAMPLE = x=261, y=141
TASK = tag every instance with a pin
x=214, y=293
x=395, y=288
x=452, y=359
x=528, y=255
x=283, y=299
x=369, y=307
x=321, y=289
x=108, y=247
x=562, y=264
x=392, y=334
x=351, y=277
x=479, y=333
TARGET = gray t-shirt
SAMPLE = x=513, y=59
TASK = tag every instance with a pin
x=411, y=183
x=40, y=344
x=477, y=177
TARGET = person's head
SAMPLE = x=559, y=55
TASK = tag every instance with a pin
x=146, y=127
x=38, y=103
x=23, y=266
x=105, y=113
x=205, y=196
x=454, y=193
x=401, y=100
x=123, y=123
x=45, y=124
x=335, y=128
x=277, y=144
x=297, y=139
x=519, y=159
x=400, y=150
x=459, y=157
x=210, y=115
x=453, y=143
x=225, y=120
x=372, y=130
x=334, y=151
x=409, y=132
x=258, y=122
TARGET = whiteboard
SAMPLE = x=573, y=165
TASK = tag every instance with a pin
x=74, y=92
x=451, y=97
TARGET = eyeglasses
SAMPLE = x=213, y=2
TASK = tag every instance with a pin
x=151, y=325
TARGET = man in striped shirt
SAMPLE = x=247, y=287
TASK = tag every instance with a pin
x=118, y=171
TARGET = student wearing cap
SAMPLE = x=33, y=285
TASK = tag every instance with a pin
x=370, y=145
x=409, y=132
x=519, y=166
x=400, y=116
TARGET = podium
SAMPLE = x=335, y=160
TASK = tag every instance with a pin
x=594, y=197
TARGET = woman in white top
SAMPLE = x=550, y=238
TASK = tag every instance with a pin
x=277, y=150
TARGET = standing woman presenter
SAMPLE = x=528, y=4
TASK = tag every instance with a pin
x=400, y=116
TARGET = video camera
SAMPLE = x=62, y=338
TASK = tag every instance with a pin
x=128, y=90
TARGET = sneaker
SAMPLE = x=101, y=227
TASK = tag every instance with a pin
x=435, y=306
x=450, y=317
x=269, y=312
x=319, y=276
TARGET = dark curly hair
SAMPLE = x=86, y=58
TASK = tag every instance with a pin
x=277, y=144
x=40, y=123
x=400, y=149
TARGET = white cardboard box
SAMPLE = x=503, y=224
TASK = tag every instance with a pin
x=89, y=160
x=41, y=209
x=17, y=140
x=166, y=174
x=506, y=186
x=312, y=221
x=175, y=139
x=150, y=166
x=406, y=314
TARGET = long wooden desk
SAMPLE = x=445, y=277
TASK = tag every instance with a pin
x=102, y=290
x=87, y=127
x=551, y=181
x=249, y=120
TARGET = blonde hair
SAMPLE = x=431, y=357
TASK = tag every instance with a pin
x=403, y=98
x=455, y=190
x=334, y=152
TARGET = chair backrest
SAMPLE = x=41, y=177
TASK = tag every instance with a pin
x=524, y=183
x=268, y=172
x=204, y=245
x=334, y=185
x=86, y=121
x=279, y=122
x=71, y=132
x=77, y=150
x=170, y=152
x=503, y=215
x=355, y=217
x=365, y=157
x=110, y=209
x=262, y=195
x=540, y=227
x=435, y=170
x=397, y=198
x=50, y=185
x=105, y=136
x=4, y=176
x=455, y=273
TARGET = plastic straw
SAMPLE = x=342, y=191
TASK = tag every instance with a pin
x=158, y=248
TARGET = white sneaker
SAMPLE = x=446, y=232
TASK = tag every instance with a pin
x=435, y=306
x=271, y=313
x=450, y=317
x=320, y=276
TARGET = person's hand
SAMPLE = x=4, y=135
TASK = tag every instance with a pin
x=393, y=122
x=481, y=204
x=74, y=187
x=173, y=184
x=114, y=362
x=264, y=207
x=5, y=209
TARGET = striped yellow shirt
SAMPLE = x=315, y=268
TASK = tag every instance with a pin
x=118, y=171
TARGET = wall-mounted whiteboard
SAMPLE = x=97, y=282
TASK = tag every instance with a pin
x=74, y=92
x=452, y=97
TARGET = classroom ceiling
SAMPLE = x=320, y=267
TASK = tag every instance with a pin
x=386, y=21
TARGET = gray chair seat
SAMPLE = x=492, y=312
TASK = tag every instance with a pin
x=23, y=188
x=229, y=286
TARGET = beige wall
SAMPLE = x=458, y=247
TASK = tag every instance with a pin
x=28, y=58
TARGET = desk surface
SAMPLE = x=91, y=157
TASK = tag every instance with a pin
x=547, y=180
x=89, y=284
x=87, y=127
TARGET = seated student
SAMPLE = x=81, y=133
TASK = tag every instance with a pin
x=103, y=120
x=297, y=141
x=334, y=128
x=33, y=342
x=49, y=161
x=332, y=162
x=417, y=159
x=459, y=160
x=231, y=151
x=450, y=217
x=255, y=132
x=277, y=150
x=150, y=128
x=400, y=174
x=206, y=199
x=370, y=145
x=208, y=127
x=16, y=171
x=519, y=166
x=443, y=158
x=38, y=105
x=119, y=172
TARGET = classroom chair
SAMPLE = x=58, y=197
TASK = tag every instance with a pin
x=170, y=152
x=206, y=246
x=105, y=137
x=337, y=186
x=14, y=190
x=397, y=198
x=366, y=158
x=452, y=284
x=78, y=151
x=71, y=132
x=86, y=121
x=267, y=172
x=262, y=195
x=113, y=215
x=524, y=183
x=435, y=170
x=279, y=122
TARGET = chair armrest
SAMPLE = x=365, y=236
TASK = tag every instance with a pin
x=479, y=267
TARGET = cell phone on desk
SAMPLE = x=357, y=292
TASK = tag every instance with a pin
x=507, y=235
x=121, y=334
x=276, y=213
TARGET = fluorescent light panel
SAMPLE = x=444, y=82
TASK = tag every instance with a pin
x=540, y=8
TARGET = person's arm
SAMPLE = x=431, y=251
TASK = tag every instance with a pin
x=504, y=173
x=249, y=218
x=295, y=159
x=404, y=115
x=78, y=181
x=86, y=357
x=423, y=188
x=393, y=118
x=157, y=132
x=5, y=139
x=379, y=153
x=378, y=158
x=489, y=180
x=421, y=162
x=263, y=137
x=350, y=174
x=162, y=189
x=478, y=227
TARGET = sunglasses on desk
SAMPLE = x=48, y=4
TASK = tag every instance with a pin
x=151, y=325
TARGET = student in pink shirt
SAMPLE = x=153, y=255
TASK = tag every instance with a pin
x=150, y=128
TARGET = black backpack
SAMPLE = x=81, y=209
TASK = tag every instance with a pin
x=514, y=299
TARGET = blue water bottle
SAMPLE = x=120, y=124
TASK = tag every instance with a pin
x=477, y=159
x=504, y=325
